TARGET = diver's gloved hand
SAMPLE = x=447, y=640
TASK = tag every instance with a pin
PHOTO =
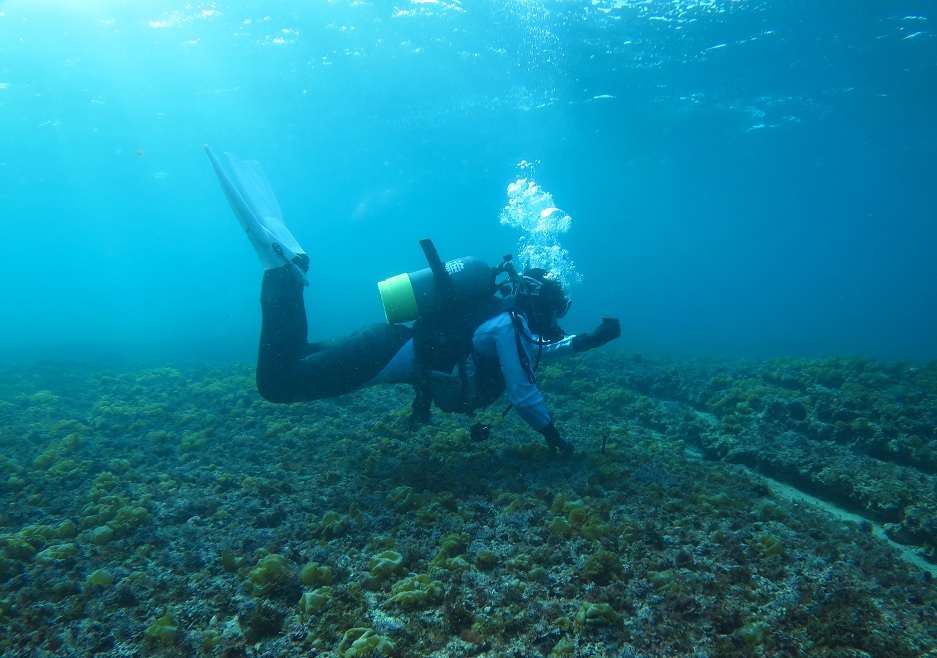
x=555, y=441
x=610, y=329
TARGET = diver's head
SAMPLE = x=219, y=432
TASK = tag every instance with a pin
x=540, y=296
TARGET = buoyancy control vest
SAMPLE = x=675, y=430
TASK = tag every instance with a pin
x=448, y=302
x=457, y=379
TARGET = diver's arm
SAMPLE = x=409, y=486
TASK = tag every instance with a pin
x=563, y=347
x=498, y=335
x=609, y=329
x=524, y=395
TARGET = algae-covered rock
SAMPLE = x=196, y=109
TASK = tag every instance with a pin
x=164, y=630
x=99, y=578
x=102, y=535
x=316, y=574
x=56, y=554
x=331, y=525
x=312, y=602
x=664, y=581
x=769, y=545
x=597, y=614
x=401, y=499
x=16, y=548
x=37, y=534
x=595, y=529
x=602, y=567
x=522, y=562
x=128, y=518
x=416, y=591
x=754, y=634
x=385, y=563
x=364, y=642
x=920, y=526
x=485, y=560
x=261, y=620
x=269, y=570
x=563, y=649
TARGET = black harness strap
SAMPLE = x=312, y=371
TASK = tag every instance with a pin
x=522, y=353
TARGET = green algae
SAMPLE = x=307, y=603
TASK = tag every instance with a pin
x=269, y=570
x=602, y=567
x=430, y=494
x=385, y=563
x=559, y=526
x=665, y=580
x=99, y=578
x=359, y=642
x=56, y=554
x=754, y=634
x=597, y=614
x=164, y=630
x=331, y=525
x=315, y=601
x=416, y=591
x=770, y=545
x=486, y=560
x=564, y=648
x=316, y=574
x=230, y=562
x=451, y=545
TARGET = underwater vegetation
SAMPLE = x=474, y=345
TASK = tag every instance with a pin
x=159, y=511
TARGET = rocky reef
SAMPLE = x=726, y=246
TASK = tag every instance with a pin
x=158, y=511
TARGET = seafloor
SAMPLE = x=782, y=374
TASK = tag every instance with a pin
x=162, y=511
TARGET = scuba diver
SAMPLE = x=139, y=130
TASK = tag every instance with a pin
x=473, y=337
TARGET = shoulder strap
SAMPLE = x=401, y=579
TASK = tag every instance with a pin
x=521, y=352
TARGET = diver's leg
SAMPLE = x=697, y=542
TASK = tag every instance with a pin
x=282, y=335
x=290, y=370
x=348, y=363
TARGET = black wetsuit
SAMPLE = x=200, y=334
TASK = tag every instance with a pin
x=290, y=369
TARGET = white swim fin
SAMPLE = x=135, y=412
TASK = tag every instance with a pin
x=255, y=206
x=256, y=191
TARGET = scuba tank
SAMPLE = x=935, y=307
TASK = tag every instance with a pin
x=426, y=292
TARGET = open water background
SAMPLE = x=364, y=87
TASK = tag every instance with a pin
x=744, y=178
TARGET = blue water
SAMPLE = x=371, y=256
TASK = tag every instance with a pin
x=744, y=178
